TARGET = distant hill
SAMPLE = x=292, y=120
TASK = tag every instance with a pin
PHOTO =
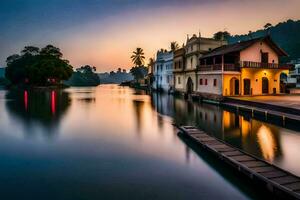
x=285, y=34
x=83, y=79
x=115, y=77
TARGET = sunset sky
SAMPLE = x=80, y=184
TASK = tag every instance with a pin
x=103, y=33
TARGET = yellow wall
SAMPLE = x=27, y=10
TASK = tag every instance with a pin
x=255, y=76
x=226, y=83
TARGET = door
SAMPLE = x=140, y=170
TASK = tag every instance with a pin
x=265, y=85
x=190, y=86
x=247, y=86
x=236, y=87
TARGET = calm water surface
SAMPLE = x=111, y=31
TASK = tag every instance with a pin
x=111, y=142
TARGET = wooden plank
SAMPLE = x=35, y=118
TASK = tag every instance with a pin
x=286, y=180
x=294, y=186
x=271, y=175
x=225, y=149
x=196, y=133
x=212, y=143
x=232, y=153
x=263, y=169
x=242, y=158
x=215, y=146
x=274, y=174
x=254, y=164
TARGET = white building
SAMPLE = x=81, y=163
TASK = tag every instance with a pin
x=163, y=71
x=294, y=76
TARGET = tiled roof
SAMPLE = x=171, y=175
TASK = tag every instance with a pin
x=237, y=47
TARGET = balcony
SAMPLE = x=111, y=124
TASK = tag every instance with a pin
x=245, y=64
x=218, y=67
x=249, y=64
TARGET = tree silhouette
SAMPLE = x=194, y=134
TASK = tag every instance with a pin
x=267, y=26
x=174, y=46
x=221, y=35
x=34, y=67
x=138, y=57
x=30, y=50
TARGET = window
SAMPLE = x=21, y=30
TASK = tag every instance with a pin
x=205, y=81
x=264, y=57
x=215, y=82
x=179, y=64
x=179, y=81
x=191, y=62
x=201, y=81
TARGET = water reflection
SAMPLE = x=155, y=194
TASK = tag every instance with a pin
x=113, y=142
x=36, y=107
x=261, y=139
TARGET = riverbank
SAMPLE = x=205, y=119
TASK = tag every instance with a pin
x=282, y=109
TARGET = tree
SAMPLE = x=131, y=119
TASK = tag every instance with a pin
x=86, y=69
x=250, y=34
x=221, y=35
x=174, y=46
x=139, y=72
x=84, y=76
x=36, y=67
x=12, y=58
x=30, y=50
x=267, y=26
x=138, y=57
x=51, y=50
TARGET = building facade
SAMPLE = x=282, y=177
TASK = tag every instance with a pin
x=244, y=68
x=163, y=71
x=186, y=62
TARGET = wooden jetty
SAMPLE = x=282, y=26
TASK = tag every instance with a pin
x=281, y=183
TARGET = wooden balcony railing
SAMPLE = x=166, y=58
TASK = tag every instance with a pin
x=250, y=64
x=218, y=67
x=244, y=64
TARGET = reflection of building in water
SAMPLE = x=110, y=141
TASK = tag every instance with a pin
x=262, y=140
x=163, y=104
x=266, y=142
x=253, y=136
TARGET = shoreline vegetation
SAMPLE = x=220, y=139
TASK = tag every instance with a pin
x=45, y=68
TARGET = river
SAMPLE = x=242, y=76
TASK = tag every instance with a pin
x=112, y=142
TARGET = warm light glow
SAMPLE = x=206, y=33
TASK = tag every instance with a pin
x=53, y=102
x=26, y=100
x=226, y=119
x=245, y=127
x=266, y=142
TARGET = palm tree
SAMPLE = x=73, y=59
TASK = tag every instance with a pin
x=174, y=46
x=138, y=57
